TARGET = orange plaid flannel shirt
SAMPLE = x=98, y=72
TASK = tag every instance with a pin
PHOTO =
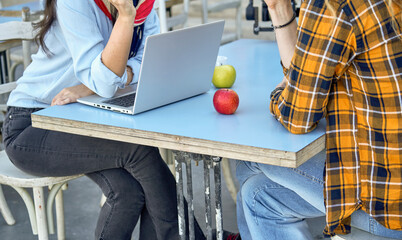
x=348, y=69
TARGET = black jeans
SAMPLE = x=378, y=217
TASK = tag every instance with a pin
x=134, y=178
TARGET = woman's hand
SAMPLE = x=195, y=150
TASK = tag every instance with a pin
x=71, y=94
x=125, y=8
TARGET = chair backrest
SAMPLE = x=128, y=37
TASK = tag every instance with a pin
x=17, y=31
x=7, y=87
x=166, y=22
x=21, y=31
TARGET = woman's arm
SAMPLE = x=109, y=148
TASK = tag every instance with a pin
x=85, y=35
x=115, y=54
x=151, y=27
x=281, y=13
x=113, y=57
x=71, y=94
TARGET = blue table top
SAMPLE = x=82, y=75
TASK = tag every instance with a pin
x=258, y=72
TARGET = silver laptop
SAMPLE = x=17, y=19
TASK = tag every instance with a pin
x=176, y=65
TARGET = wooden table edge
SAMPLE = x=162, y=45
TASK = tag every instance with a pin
x=174, y=142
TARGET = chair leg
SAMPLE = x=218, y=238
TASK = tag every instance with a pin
x=167, y=156
x=103, y=200
x=8, y=63
x=238, y=21
x=12, y=71
x=26, y=197
x=54, y=190
x=40, y=213
x=56, y=193
x=227, y=174
x=170, y=160
x=8, y=217
x=61, y=232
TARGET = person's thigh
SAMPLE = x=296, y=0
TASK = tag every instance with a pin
x=365, y=222
x=270, y=209
x=52, y=153
x=305, y=180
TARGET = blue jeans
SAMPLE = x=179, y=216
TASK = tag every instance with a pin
x=134, y=178
x=273, y=202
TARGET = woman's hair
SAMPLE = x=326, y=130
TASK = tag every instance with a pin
x=45, y=24
x=391, y=9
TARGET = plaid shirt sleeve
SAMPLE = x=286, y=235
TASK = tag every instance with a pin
x=323, y=49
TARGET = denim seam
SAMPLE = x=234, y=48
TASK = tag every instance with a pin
x=257, y=191
x=372, y=226
x=67, y=153
x=304, y=174
x=112, y=203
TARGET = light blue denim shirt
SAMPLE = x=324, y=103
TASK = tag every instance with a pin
x=76, y=41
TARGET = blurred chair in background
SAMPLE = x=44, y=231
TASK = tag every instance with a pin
x=169, y=22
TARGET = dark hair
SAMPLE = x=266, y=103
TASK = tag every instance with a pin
x=45, y=24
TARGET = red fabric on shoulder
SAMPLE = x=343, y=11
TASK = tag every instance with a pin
x=104, y=9
x=143, y=11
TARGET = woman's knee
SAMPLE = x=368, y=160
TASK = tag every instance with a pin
x=141, y=155
x=244, y=170
x=255, y=189
x=119, y=187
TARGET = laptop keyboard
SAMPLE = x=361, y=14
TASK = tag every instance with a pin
x=124, y=101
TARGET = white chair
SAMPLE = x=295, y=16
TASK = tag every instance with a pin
x=39, y=211
x=167, y=23
x=218, y=6
x=14, y=52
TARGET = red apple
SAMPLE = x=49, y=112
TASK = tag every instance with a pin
x=226, y=101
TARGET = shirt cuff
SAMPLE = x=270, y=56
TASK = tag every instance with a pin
x=104, y=74
x=284, y=69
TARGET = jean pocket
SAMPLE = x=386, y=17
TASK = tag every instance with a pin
x=15, y=123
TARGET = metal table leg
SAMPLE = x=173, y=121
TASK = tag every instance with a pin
x=179, y=158
x=190, y=204
x=218, y=197
x=209, y=163
x=207, y=185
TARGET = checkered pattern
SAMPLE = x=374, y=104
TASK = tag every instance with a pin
x=349, y=69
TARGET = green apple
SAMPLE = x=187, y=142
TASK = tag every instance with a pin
x=224, y=76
